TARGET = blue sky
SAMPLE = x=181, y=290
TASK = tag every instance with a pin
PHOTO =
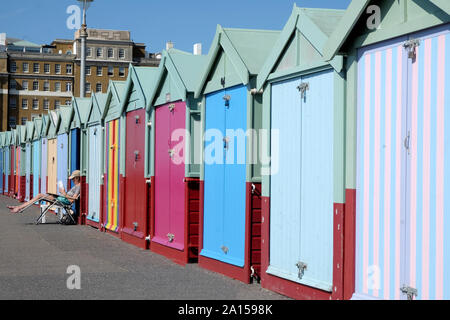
x=153, y=22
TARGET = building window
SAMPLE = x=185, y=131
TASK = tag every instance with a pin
x=57, y=104
x=35, y=104
x=68, y=68
x=99, y=71
x=46, y=68
x=46, y=104
x=35, y=85
x=121, y=72
x=89, y=52
x=12, y=84
x=110, y=53
x=36, y=67
x=88, y=87
x=24, y=85
x=110, y=71
x=57, y=68
x=25, y=104
x=68, y=102
x=12, y=102
x=99, y=52
x=121, y=53
x=13, y=67
x=12, y=122
x=68, y=86
x=24, y=120
x=88, y=70
x=46, y=86
x=58, y=86
x=98, y=87
x=25, y=67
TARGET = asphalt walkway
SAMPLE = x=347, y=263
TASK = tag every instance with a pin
x=34, y=261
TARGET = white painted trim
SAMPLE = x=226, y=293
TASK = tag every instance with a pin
x=40, y=93
x=3, y=91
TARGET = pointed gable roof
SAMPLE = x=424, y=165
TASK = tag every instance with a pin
x=45, y=125
x=182, y=68
x=114, y=97
x=140, y=83
x=37, y=128
x=247, y=50
x=315, y=25
x=440, y=9
x=30, y=131
x=65, y=113
x=97, y=106
x=81, y=110
x=55, y=120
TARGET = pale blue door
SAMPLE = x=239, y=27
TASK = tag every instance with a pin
x=63, y=160
x=1, y=169
x=94, y=173
x=224, y=207
x=301, y=216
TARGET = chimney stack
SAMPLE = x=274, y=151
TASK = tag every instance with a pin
x=198, y=49
x=2, y=39
x=169, y=45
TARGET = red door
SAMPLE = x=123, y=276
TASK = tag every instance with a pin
x=135, y=210
x=169, y=175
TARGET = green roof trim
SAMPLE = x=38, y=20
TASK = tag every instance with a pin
x=81, y=108
x=22, y=134
x=45, y=126
x=183, y=68
x=37, y=128
x=66, y=115
x=354, y=12
x=2, y=139
x=115, y=94
x=30, y=131
x=247, y=50
x=142, y=79
x=97, y=106
x=311, y=23
x=55, y=120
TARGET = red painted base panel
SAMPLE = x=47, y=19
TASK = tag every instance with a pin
x=295, y=290
x=349, y=243
x=139, y=242
x=22, y=188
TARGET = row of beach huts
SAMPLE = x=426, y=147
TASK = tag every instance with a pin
x=315, y=159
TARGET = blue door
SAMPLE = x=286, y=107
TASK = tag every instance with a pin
x=301, y=215
x=94, y=173
x=63, y=157
x=28, y=156
x=36, y=164
x=225, y=176
x=74, y=150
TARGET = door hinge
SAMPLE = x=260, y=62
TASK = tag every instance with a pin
x=136, y=155
x=135, y=224
x=303, y=87
x=407, y=143
x=137, y=119
x=171, y=237
x=410, y=292
x=301, y=269
x=227, y=99
x=411, y=46
x=171, y=107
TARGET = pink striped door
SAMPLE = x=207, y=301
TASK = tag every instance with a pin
x=403, y=169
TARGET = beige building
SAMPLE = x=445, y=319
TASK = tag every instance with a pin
x=36, y=78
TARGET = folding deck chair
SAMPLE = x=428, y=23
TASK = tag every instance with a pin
x=64, y=218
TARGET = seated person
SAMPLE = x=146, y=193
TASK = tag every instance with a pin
x=65, y=198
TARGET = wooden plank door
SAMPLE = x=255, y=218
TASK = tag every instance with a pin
x=63, y=160
x=225, y=176
x=36, y=163
x=44, y=164
x=112, y=162
x=94, y=173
